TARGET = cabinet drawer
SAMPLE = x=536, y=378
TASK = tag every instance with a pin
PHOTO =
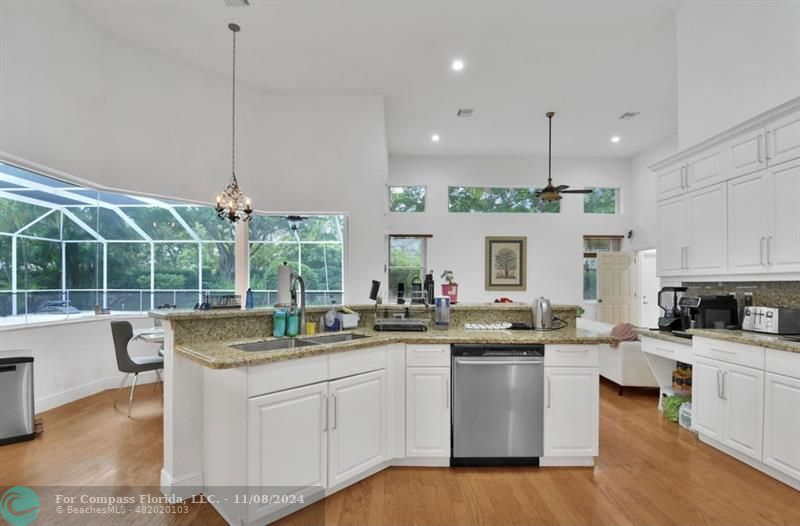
x=427, y=355
x=272, y=377
x=747, y=355
x=571, y=355
x=359, y=361
x=670, y=350
x=783, y=362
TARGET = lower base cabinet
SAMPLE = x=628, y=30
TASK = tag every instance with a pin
x=782, y=424
x=357, y=425
x=428, y=412
x=571, y=411
x=304, y=440
x=287, y=445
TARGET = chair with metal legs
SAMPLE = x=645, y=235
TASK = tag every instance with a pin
x=122, y=331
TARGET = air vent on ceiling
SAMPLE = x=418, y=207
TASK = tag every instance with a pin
x=464, y=112
x=629, y=115
x=238, y=3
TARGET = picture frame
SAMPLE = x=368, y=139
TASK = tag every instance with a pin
x=506, y=260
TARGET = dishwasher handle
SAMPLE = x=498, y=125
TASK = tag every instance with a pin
x=535, y=361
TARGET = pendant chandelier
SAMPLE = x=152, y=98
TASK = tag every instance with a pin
x=232, y=204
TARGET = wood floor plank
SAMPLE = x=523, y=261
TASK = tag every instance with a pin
x=649, y=473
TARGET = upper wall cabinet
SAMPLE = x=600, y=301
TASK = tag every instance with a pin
x=740, y=194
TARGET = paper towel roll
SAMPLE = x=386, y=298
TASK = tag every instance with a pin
x=284, y=284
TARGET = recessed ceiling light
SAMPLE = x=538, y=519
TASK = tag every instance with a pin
x=435, y=137
x=615, y=139
x=457, y=65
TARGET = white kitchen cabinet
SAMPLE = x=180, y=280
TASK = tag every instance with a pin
x=748, y=219
x=763, y=214
x=357, y=416
x=728, y=404
x=571, y=413
x=782, y=424
x=746, y=152
x=783, y=139
x=704, y=170
x=743, y=396
x=707, y=402
x=692, y=233
x=672, y=238
x=428, y=412
x=706, y=252
x=783, y=238
x=287, y=444
x=671, y=181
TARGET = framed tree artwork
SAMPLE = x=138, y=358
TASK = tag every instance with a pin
x=506, y=261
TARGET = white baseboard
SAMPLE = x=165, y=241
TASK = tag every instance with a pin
x=433, y=462
x=182, y=488
x=52, y=401
x=583, y=462
x=753, y=463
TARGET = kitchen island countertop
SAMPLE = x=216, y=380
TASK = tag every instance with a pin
x=221, y=354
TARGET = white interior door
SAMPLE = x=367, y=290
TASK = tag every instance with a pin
x=616, y=287
x=649, y=285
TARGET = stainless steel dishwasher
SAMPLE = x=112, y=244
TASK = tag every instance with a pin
x=498, y=405
x=16, y=399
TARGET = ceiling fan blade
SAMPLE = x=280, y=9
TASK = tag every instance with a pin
x=562, y=187
x=576, y=191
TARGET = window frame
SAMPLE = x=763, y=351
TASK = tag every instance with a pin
x=487, y=189
x=617, y=200
x=391, y=295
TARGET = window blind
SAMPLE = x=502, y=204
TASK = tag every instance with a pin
x=594, y=244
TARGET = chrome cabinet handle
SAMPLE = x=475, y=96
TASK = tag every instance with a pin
x=766, y=146
x=759, y=147
x=719, y=392
x=335, y=411
x=324, y=402
x=769, y=250
x=548, y=391
x=761, y=251
x=447, y=394
x=687, y=258
x=724, y=393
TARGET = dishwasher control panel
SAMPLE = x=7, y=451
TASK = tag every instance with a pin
x=478, y=350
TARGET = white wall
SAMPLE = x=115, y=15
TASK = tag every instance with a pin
x=78, y=100
x=735, y=60
x=555, y=241
x=72, y=360
x=643, y=192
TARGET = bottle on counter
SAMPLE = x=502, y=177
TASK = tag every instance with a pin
x=279, y=323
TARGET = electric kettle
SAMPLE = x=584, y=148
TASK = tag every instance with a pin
x=542, y=314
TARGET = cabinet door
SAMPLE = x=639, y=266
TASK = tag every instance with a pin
x=671, y=181
x=707, y=402
x=743, y=392
x=358, y=427
x=571, y=399
x=782, y=424
x=704, y=170
x=287, y=444
x=783, y=139
x=428, y=412
x=671, y=237
x=746, y=153
x=748, y=211
x=708, y=247
x=783, y=243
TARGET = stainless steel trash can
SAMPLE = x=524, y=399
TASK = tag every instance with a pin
x=16, y=399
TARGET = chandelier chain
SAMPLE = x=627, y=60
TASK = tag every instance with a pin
x=233, y=112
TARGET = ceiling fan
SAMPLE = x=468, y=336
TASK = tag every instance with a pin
x=550, y=192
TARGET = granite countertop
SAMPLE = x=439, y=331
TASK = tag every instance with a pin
x=748, y=338
x=665, y=336
x=221, y=354
x=190, y=314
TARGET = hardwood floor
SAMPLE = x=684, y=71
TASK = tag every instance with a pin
x=650, y=472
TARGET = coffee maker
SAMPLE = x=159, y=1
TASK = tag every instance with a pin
x=669, y=301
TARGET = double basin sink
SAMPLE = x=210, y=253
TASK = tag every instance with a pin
x=297, y=343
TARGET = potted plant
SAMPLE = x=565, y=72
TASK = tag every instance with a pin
x=450, y=289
